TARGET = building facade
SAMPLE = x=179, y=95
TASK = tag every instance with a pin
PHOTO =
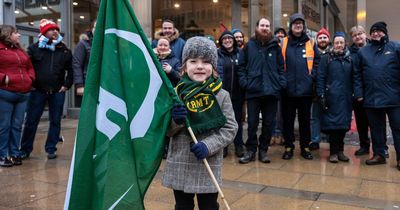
x=198, y=17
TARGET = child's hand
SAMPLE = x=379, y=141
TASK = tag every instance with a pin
x=200, y=150
x=179, y=114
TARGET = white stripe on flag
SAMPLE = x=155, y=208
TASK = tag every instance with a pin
x=119, y=200
x=142, y=120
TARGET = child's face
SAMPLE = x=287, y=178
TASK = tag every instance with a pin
x=198, y=70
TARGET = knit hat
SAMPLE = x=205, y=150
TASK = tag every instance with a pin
x=297, y=16
x=46, y=25
x=280, y=29
x=380, y=26
x=200, y=47
x=323, y=31
x=339, y=34
x=235, y=30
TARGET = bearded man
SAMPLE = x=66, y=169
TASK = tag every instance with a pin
x=261, y=76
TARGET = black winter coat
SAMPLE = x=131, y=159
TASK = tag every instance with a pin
x=228, y=67
x=80, y=62
x=175, y=63
x=299, y=79
x=51, y=67
x=337, y=80
x=379, y=65
x=261, y=69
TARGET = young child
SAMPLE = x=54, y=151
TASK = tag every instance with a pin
x=209, y=110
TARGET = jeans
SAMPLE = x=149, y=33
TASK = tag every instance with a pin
x=315, y=122
x=34, y=111
x=377, y=120
x=12, y=110
x=303, y=107
x=267, y=106
x=206, y=201
x=237, y=105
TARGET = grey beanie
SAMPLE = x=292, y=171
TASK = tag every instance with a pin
x=200, y=47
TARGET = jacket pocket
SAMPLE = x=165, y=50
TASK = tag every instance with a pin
x=254, y=82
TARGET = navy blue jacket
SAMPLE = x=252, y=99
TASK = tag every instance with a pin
x=228, y=67
x=337, y=80
x=176, y=44
x=261, y=69
x=379, y=65
x=298, y=78
x=175, y=63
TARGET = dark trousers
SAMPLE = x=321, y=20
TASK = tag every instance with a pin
x=206, y=201
x=267, y=105
x=237, y=105
x=336, y=140
x=36, y=104
x=377, y=120
x=362, y=124
x=303, y=107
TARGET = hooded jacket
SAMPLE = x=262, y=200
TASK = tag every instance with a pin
x=15, y=64
x=176, y=43
x=228, y=67
x=261, y=69
x=379, y=64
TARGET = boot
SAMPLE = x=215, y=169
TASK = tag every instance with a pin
x=362, y=151
x=334, y=158
x=376, y=160
x=288, y=154
x=262, y=156
x=306, y=154
x=248, y=157
x=343, y=157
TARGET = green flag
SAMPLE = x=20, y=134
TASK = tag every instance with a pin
x=124, y=116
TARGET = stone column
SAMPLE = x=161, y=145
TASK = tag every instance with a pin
x=7, y=12
x=143, y=14
x=254, y=14
x=276, y=14
x=236, y=14
x=362, y=13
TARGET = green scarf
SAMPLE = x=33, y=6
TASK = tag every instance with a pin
x=199, y=98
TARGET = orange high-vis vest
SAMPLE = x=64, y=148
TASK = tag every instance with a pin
x=309, y=52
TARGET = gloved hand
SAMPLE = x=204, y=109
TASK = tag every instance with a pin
x=200, y=150
x=323, y=103
x=179, y=113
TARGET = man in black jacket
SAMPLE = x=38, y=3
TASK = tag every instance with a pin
x=51, y=60
x=379, y=63
x=261, y=75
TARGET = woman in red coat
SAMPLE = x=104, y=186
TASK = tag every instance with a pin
x=16, y=78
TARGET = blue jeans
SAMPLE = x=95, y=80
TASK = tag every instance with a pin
x=315, y=122
x=267, y=106
x=36, y=104
x=12, y=110
x=377, y=120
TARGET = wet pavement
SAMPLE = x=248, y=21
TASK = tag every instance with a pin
x=295, y=184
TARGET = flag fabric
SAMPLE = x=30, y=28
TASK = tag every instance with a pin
x=124, y=116
x=222, y=27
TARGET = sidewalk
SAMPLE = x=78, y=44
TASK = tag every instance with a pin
x=295, y=184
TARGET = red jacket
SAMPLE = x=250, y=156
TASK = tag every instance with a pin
x=18, y=67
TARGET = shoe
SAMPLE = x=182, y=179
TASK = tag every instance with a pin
x=5, y=162
x=362, y=151
x=239, y=151
x=343, y=157
x=61, y=139
x=386, y=153
x=248, y=157
x=306, y=154
x=51, y=155
x=314, y=146
x=225, y=151
x=376, y=160
x=288, y=154
x=334, y=158
x=17, y=161
x=262, y=156
x=25, y=155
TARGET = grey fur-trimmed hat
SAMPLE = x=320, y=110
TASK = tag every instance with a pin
x=200, y=47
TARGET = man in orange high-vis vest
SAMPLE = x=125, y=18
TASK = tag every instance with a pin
x=301, y=57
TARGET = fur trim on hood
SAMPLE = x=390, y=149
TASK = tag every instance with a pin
x=159, y=34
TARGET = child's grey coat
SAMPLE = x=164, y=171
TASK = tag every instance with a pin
x=183, y=171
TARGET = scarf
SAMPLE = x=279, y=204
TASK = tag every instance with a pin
x=43, y=42
x=160, y=55
x=199, y=98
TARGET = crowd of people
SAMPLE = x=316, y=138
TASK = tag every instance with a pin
x=277, y=75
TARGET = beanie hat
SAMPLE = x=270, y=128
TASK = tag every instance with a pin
x=224, y=34
x=297, y=16
x=200, y=47
x=235, y=30
x=46, y=25
x=339, y=34
x=280, y=29
x=323, y=31
x=380, y=26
